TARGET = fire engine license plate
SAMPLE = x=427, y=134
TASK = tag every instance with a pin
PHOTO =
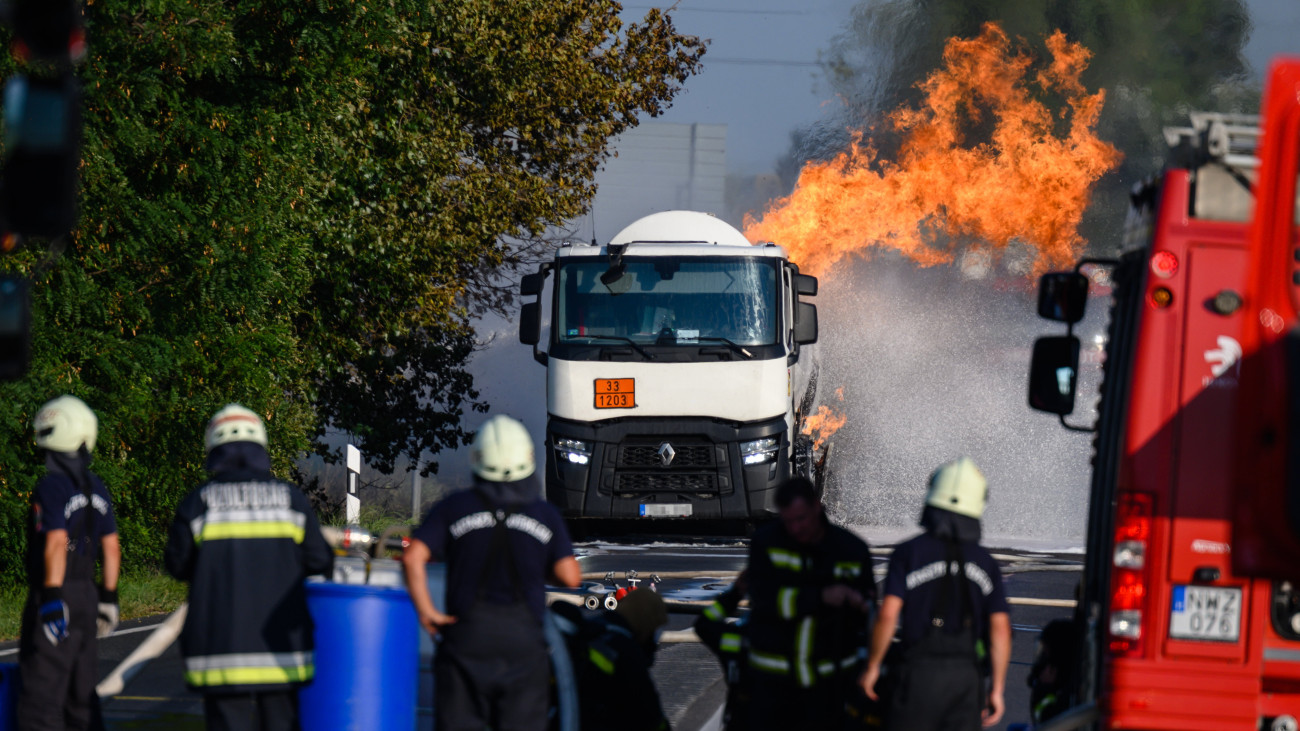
x=616, y=393
x=1206, y=613
x=665, y=510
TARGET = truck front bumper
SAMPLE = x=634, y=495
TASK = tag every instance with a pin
x=663, y=467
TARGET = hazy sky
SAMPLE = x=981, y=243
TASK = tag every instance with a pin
x=760, y=76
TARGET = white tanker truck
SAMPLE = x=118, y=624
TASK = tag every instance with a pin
x=677, y=372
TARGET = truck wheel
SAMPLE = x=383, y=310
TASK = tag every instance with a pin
x=591, y=602
x=803, y=460
x=822, y=471
x=611, y=603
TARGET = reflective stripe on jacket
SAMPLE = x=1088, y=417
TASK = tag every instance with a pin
x=245, y=668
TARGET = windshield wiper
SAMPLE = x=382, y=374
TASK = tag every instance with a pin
x=733, y=346
x=647, y=354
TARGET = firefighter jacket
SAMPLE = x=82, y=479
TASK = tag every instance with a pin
x=245, y=542
x=728, y=641
x=792, y=633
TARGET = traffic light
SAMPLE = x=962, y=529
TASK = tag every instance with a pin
x=46, y=30
x=42, y=151
x=15, y=327
x=38, y=181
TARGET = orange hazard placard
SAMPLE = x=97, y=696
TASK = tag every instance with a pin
x=615, y=393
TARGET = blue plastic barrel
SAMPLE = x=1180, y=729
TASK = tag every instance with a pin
x=9, y=686
x=367, y=658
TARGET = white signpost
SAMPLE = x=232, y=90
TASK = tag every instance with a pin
x=415, y=492
x=354, y=476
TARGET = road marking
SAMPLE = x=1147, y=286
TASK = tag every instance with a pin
x=130, y=631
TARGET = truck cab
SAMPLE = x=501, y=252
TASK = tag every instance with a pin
x=676, y=373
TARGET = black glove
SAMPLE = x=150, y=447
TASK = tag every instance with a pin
x=53, y=615
x=108, y=613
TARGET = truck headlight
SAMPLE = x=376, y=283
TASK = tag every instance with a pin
x=573, y=450
x=759, y=451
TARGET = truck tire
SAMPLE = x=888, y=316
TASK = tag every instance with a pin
x=803, y=460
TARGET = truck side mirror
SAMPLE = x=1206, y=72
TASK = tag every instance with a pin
x=1054, y=374
x=805, y=322
x=805, y=284
x=1062, y=296
x=531, y=284
x=530, y=323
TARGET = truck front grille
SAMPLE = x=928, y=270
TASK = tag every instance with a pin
x=686, y=456
x=664, y=482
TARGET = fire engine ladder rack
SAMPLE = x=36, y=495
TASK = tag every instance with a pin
x=1229, y=139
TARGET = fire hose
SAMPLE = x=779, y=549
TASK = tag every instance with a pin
x=154, y=645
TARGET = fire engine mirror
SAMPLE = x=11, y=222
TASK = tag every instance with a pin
x=530, y=323
x=531, y=284
x=1062, y=296
x=1053, y=374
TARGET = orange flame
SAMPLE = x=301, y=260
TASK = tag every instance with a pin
x=824, y=423
x=1026, y=184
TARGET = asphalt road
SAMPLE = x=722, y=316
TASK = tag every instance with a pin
x=689, y=680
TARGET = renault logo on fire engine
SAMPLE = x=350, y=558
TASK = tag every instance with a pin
x=666, y=454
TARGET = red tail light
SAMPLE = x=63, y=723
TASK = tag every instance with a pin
x=1164, y=264
x=1128, y=581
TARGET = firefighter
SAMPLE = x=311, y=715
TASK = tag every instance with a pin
x=245, y=541
x=947, y=591
x=730, y=643
x=615, y=690
x=500, y=541
x=811, y=591
x=71, y=527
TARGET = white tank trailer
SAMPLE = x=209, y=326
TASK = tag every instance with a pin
x=678, y=371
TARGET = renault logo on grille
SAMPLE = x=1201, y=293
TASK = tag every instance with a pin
x=666, y=454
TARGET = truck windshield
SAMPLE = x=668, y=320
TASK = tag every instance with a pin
x=669, y=301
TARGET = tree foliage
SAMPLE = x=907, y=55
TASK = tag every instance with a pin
x=293, y=205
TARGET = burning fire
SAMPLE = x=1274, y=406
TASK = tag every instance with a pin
x=1025, y=184
x=824, y=423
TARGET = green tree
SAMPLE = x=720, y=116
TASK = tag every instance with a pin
x=294, y=206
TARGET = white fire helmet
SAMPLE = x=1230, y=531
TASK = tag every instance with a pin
x=234, y=424
x=64, y=424
x=959, y=487
x=502, y=451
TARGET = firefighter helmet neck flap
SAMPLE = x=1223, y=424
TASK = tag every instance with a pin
x=959, y=487
x=502, y=451
x=234, y=424
x=65, y=424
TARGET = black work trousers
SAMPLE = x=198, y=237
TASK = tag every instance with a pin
x=778, y=703
x=935, y=693
x=58, y=682
x=492, y=670
x=275, y=710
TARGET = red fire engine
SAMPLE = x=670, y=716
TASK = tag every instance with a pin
x=1189, y=611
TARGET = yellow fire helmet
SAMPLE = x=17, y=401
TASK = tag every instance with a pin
x=502, y=451
x=64, y=424
x=959, y=487
x=234, y=423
